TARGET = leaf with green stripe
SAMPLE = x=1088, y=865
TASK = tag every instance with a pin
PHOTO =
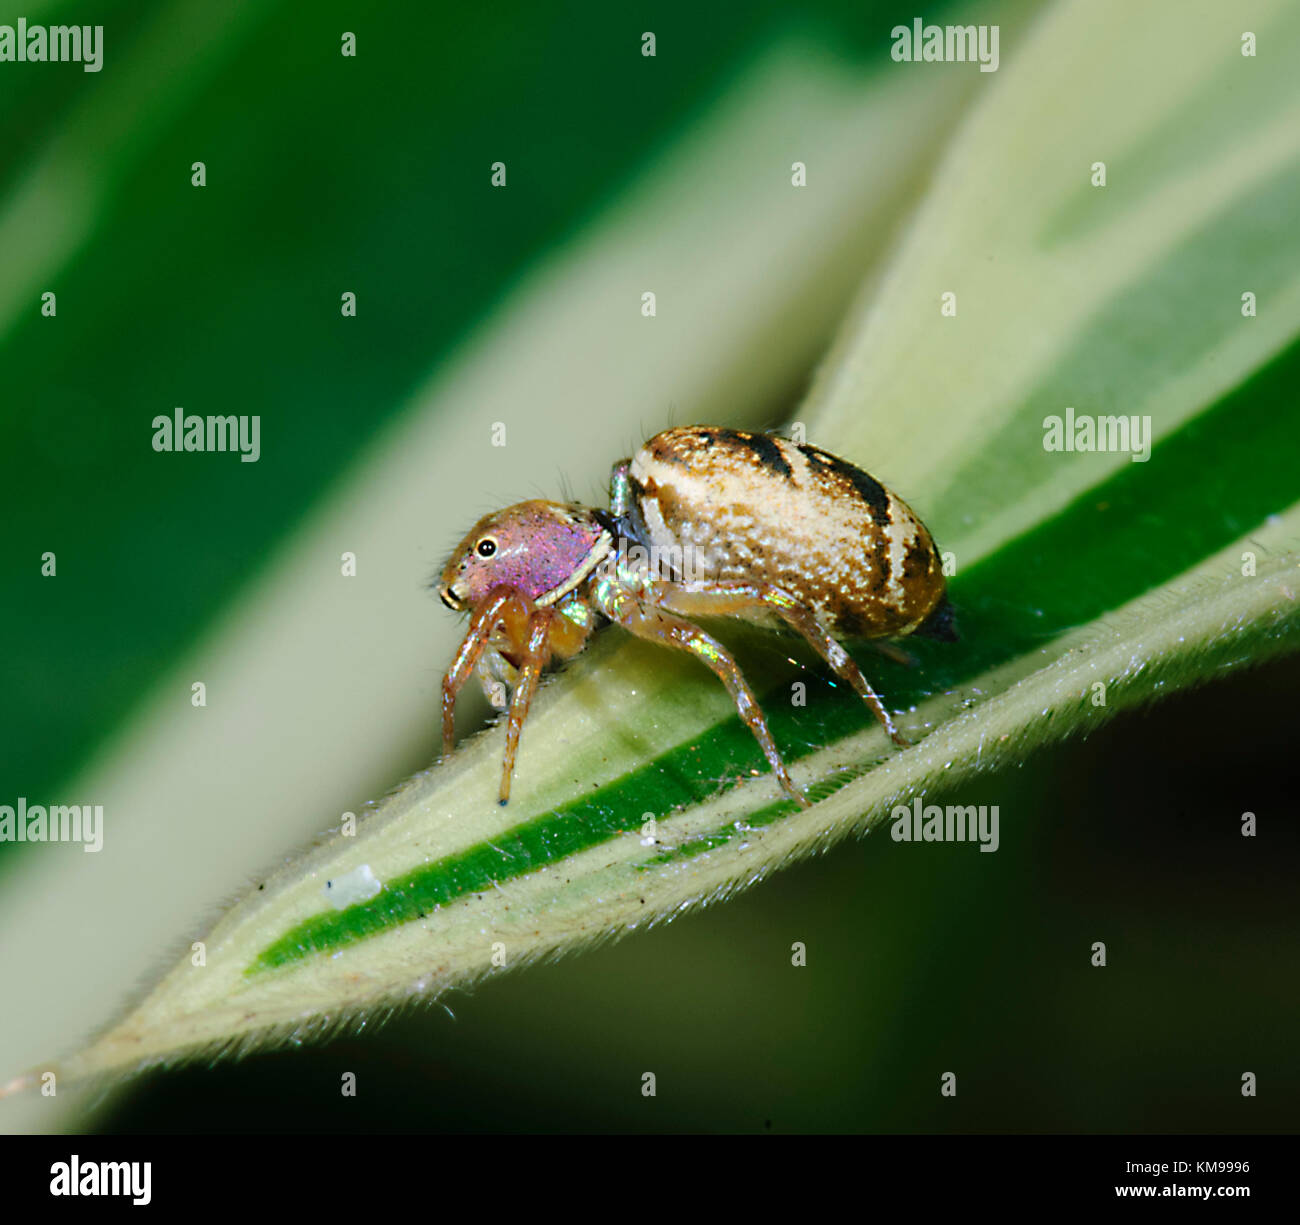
x=1086, y=583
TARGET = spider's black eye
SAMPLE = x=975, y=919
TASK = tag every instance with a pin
x=486, y=547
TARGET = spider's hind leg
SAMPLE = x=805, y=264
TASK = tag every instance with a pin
x=736, y=598
x=891, y=650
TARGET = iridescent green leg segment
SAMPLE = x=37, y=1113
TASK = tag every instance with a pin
x=730, y=599
x=620, y=489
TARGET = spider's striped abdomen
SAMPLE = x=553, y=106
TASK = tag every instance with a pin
x=756, y=507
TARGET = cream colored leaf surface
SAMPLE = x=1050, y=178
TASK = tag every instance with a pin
x=1116, y=299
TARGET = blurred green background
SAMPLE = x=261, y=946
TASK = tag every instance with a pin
x=371, y=175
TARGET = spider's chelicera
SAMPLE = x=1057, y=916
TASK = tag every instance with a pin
x=703, y=521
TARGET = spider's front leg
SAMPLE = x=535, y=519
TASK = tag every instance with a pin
x=536, y=652
x=501, y=604
x=737, y=598
x=498, y=676
x=645, y=619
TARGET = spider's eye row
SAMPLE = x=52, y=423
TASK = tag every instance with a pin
x=486, y=547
